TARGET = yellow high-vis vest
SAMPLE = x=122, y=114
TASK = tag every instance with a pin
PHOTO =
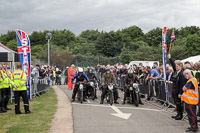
x=1, y=80
x=54, y=74
x=6, y=82
x=19, y=79
x=191, y=96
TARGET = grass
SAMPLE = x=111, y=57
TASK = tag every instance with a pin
x=43, y=109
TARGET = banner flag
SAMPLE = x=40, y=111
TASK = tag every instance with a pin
x=173, y=36
x=24, y=50
x=164, y=51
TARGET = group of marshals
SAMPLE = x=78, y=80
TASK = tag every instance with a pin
x=17, y=81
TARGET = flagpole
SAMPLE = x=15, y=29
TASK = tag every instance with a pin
x=170, y=46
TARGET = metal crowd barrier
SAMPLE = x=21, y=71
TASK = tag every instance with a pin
x=42, y=87
x=155, y=90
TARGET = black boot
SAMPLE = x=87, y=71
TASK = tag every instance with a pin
x=174, y=117
x=101, y=102
x=3, y=109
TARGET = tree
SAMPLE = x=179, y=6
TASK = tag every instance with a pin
x=193, y=45
x=154, y=37
x=64, y=37
x=12, y=44
x=5, y=38
x=134, y=32
x=90, y=35
x=109, y=44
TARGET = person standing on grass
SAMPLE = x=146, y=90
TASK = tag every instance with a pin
x=18, y=78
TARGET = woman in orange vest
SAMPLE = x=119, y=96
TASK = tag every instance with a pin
x=71, y=73
x=191, y=98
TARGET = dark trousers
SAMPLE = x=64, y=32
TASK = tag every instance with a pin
x=7, y=96
x=76, y=90
x=2, y=98
x=191, y=113
x=104, y=91
x=17, y=95
x=178, y=105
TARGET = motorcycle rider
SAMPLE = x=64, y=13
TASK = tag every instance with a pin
x=129, y=80
x=80, y=77
x=92, y=78
x=108, y=78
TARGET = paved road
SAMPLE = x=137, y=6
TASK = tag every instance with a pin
x=91, y=117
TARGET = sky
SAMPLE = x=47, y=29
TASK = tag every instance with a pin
x=106, y=15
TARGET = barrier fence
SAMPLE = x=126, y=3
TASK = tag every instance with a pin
x=38, y=88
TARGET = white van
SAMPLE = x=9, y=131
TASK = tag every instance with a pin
x=144, y=63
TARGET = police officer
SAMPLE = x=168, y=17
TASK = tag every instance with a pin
x=19, y=79
x=108, y=78
x=2, y=110
x=191, y=98
x=6, y=86
x=80, y=77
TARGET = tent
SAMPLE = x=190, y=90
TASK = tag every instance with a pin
x=192, y=59
x=6, y=54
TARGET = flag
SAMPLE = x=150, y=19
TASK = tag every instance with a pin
x=24, y=50
x=164, y=51
x=173, y=36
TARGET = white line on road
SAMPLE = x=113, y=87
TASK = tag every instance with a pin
x=88, y=101
x=119, y=113
x=108, y=106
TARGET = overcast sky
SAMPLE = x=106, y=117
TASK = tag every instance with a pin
x=80, y=15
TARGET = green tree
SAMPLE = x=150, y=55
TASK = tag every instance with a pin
x=193, y=45
x=154, y=37
x=12, y=44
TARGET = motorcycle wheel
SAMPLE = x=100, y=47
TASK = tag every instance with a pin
x=136, y=99
x=111, y=98
x=81, y=97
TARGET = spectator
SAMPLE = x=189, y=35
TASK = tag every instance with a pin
x=35, y=74
x=179, y=82
x=155, y=65
x=151, y=73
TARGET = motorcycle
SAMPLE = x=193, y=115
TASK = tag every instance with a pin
x=93, y=86
x=110, y=94
x=81, y=91
x=135, y=94
x=58, y=79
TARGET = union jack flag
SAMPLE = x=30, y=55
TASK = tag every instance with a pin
x=173, y=36
x=164, y=51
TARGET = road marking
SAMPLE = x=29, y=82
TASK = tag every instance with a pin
x=107, y=106
x=119, y=113
x=88, y=101
x=136, y=108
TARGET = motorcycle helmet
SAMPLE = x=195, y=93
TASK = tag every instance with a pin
x=130, y=72
x=107, y=68
x=80, y=69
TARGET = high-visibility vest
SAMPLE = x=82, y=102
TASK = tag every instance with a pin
x=19, y=79
x=54, y=74
x=6, y=82
x=191, y=96
x=194, y=72
x=1, y=79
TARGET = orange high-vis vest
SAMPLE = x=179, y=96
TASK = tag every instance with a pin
x=191, y=96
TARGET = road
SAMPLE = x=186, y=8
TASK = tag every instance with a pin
x=91, y=117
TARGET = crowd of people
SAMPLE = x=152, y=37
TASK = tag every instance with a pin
x=184, y=76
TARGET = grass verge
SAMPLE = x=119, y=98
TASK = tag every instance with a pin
x=43, y=109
